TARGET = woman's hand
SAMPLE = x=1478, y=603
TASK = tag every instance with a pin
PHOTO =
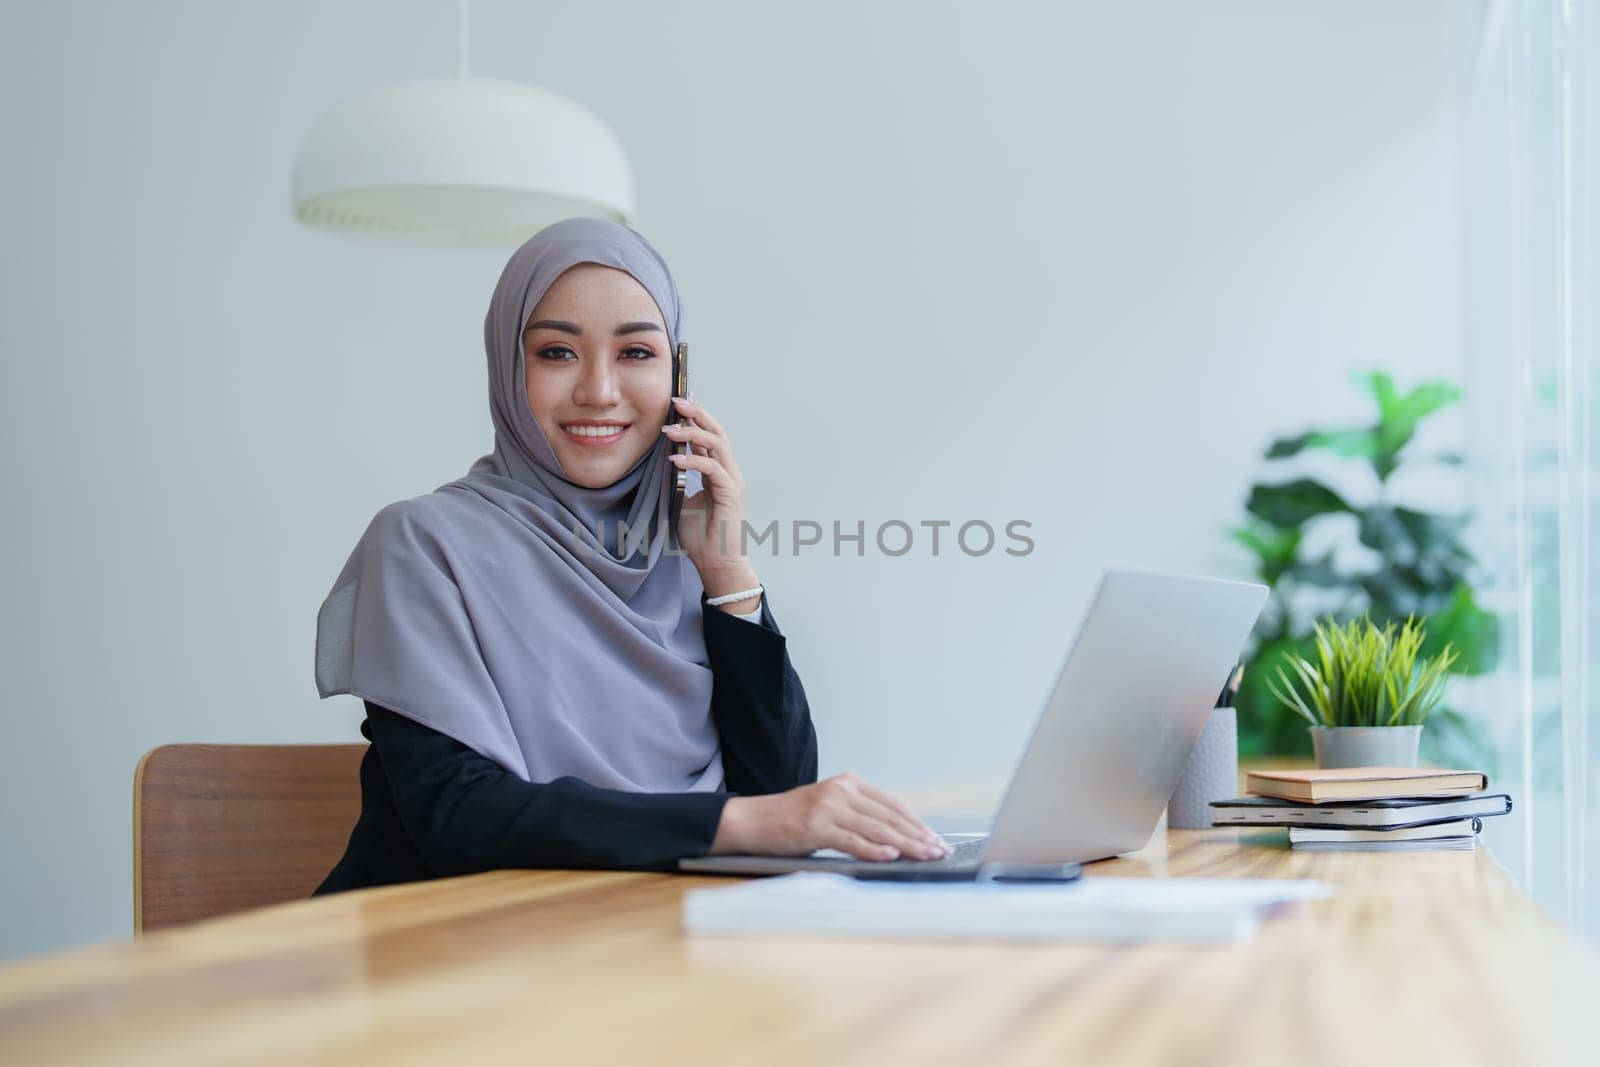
x=843, y=812
x=711, y=526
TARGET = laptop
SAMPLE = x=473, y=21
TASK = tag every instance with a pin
x=1127, y=708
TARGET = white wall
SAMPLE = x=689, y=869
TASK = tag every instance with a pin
x=1067, y=263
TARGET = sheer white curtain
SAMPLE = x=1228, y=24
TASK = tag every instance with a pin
x=1530, y=244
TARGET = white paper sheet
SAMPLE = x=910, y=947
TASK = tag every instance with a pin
x=1195, y=910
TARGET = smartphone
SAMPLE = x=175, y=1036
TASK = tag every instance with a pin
x=1057, y=873
x=679, y=475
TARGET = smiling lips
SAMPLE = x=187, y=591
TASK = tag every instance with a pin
x=592, y=434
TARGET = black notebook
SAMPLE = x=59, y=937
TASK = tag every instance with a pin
x=1269, y=811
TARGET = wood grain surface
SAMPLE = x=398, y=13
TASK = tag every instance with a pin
x=1421, y=958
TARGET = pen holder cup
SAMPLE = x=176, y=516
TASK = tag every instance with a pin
x=1212, y=773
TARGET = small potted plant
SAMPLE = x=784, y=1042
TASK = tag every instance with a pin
x=1367, y=695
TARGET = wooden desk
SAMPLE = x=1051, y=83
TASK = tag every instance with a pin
x=1422, y=958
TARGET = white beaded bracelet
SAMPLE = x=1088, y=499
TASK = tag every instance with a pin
x=729, y=598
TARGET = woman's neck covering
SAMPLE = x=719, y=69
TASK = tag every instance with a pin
x=489, y=609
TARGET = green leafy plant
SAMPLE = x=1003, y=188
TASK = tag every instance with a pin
x=1364, y=675
x=1379, y=558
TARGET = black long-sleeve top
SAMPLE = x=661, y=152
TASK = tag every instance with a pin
x=431, y=807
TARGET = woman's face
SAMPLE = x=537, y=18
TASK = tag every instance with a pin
x=598, y=372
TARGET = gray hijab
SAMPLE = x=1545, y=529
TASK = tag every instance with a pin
x=488, y=609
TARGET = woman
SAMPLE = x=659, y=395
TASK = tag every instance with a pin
x=551, y=681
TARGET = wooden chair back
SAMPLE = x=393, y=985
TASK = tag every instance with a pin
x=222, y=828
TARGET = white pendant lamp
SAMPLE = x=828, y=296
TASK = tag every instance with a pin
x=459, y=161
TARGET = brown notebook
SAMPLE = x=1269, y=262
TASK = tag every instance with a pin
x=1364, y=783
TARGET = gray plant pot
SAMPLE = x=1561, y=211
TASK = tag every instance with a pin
x=1366, y=746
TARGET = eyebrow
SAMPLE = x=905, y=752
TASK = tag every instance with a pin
x=577, y=331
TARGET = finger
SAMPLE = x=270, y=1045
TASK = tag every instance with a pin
x=910, y=839
x=906, y=837
x=884, y=833
x=704, y=442
x=699, y=414
x=858, y=846
x=910, y=826
x=717, y=444
x=715, y=474
x=894, y=802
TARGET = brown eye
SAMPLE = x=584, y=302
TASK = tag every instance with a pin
x=637, y=352
x=557, y=353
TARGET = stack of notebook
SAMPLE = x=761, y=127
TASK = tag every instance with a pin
x=1378, y=809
